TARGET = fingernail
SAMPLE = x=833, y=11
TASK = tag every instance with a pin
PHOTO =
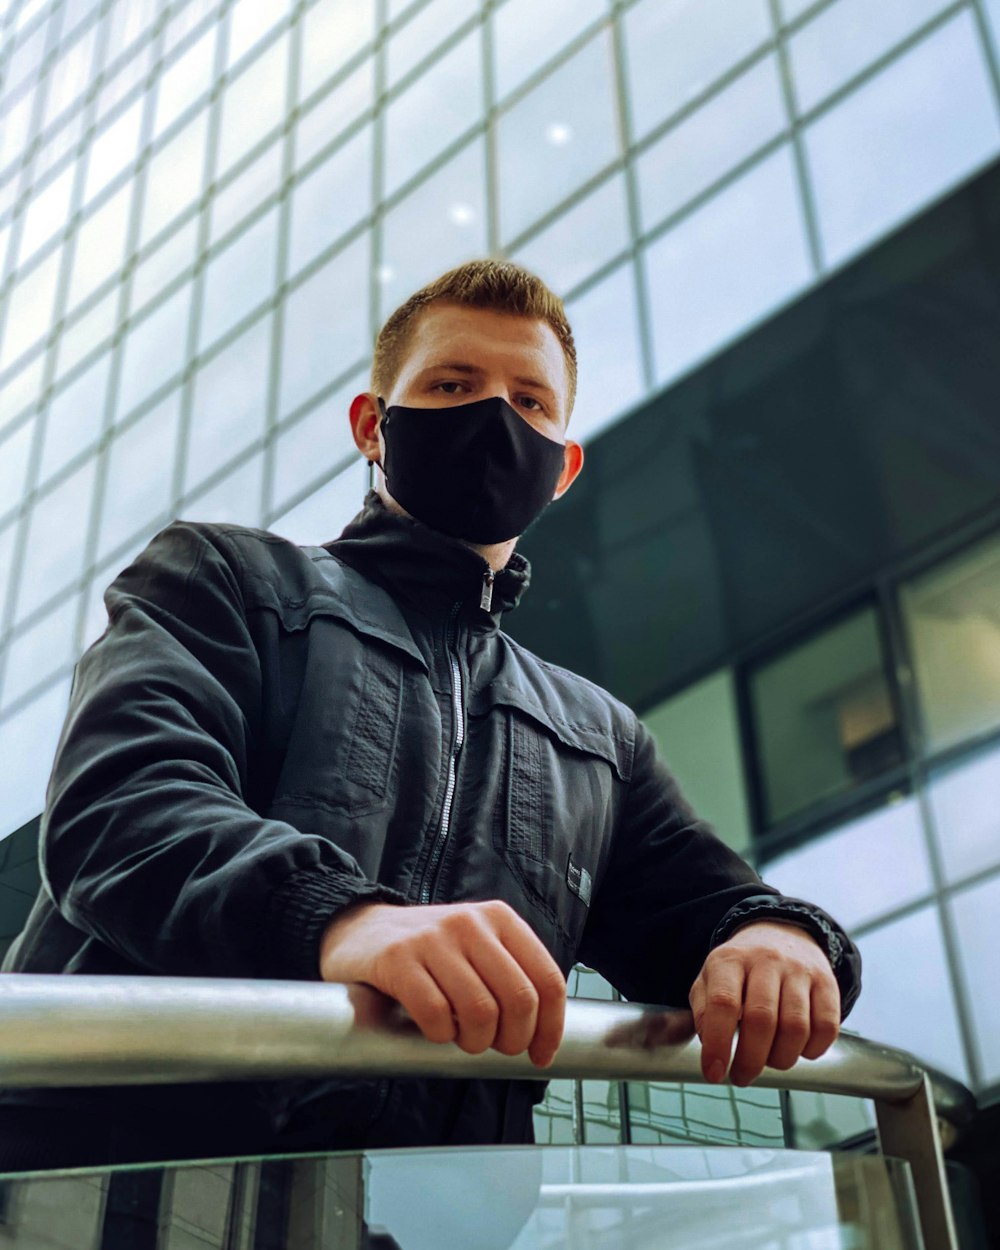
x=716, y=1071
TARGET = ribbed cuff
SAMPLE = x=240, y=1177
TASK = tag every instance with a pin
x=302, y=907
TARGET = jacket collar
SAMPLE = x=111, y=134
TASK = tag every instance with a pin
x=431, y=570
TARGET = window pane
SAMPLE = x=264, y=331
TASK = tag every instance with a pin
x=89, y=331
x=8, y=533
x=322, y=515
x=974, y=914
x=29, y=312
x=239, y=278
x=47, y=213
x=253, y=104
x=175, y=176
x=100, y=245
x=247, y=191
x=57, y=532
x=249, y=21
x=27, y=746
x=185, y=80
x=952, y=616
x=734, y=260
x=711, y=141
x=317, y=443
x=113, y=149
x=154, y=350
x=332, y=32
x=166, y=262
x=333, y=114
x=20, y=390
x=433, y=112
x=70, y=76
x=15, y=448
x=75, y=418
x=39, y=651
x=901, y=139
x=967, y=815
x=823, y=717
x=677, y=48
x=137, y=490
x=419, y=36
x=235, y=499
x=331, y=199
x=555, y=138
x=527, y=34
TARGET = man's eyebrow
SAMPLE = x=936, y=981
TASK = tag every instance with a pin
x=460, y=366
x=536, y=383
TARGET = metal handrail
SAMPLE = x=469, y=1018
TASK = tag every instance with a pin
x=60, y=1031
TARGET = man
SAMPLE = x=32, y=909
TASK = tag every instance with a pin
x=331, y=763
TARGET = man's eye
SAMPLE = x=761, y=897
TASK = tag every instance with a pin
x=530, y=402
x=444, y=386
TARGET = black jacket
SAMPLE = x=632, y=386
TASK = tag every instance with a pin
x=267, y=733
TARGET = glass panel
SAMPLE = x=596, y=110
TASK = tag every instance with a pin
x=991, y=9
x=447, y=213
x=100, y=245
x=89, y=331
x=698, y=734
x=862, y=870
x=235, y=499
x=733, y=261
x=249, y=22
x=433, y=111
x=527, y=34
x=602, y=1121
x=324, y=334
x=322, y=515
x=331, y=199
x=419, y=36
x=247, y=191
x=580, y=240
x=974, y=914
x=332, y=32
x=333, y=114
x=138, y=485
x=952, y=615
x=27, y=746
x=677, y=48
x=963, y=800
x=14, y=129
x=605, y=325
x=123, y=81
x=64, y=140
x=560, y=134
x=57, y=533
x=30, y=308
x=902, y=139
x=184, y=81
x=8, y=534
x=239, y=278
x=823, y=716
x=174, y=177
x=554, y=1116
x=154, y=350
x=20, y=389
x=40, y=650
x=711, y=141
x=661, y=1113
x=253, y=104
x=845, y=38
x=908, y=999
x=75, y=417
x=791, y=9
x=114, y=148
x=230, y=402
x=46, y=214
x=317, y=443
x=70, y=76
x=15, y=448
x=164, y=264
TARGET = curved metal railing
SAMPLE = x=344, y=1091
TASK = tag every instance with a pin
x=76, y=1030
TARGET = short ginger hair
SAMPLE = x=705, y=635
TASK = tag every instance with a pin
x=497, y=285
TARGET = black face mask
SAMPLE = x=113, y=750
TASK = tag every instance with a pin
x=476, y=471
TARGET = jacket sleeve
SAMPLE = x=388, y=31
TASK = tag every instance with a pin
x=673, y=891
x=148, y=843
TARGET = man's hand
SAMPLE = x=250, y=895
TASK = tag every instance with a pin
x=775, y=980
x=471, y=973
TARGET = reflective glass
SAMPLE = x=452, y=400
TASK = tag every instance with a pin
x=56, y=548
x=164, y=264
x=124, y=81
x=15, y=449
x=229, y=406
x=966, y=813
x=974, y=912
x=330, y=116
x=8, y=533
x=154, y=350
x=20, y=389
x=677, y=49
x=88, y=331
x=447, y=213
x=75, y=417
x=100, y=245
x=901, y=139
x=908, y=999
x=70, y=75
x=433, y=111
x=325, y=332
x=560, y=134
x=35, y=654
x=710, y=141
x=526, y=35
x=60, y=143
x=330, y=199
x=14, y=129
x=113, y=149
x=845, y=38
x=26, y=58
x=249, y=22
x=862, y=870
x=734, y=260
x=791, y=9
x=239, y=278
x=235, y=499
x=27, y=746
x=422, y=33
x=29, y=308
x=47, y=213
x=185, y=80
x=127, y=20
x=605, y=325
x=174, y=177
x=322, y=515
x=139, y=479
x=247, y=191
x=332, y=32
x=316, y=444
x=253, y=104
x=991, y=10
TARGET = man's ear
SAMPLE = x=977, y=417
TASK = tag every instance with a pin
x=572, y=464
x=365, y=421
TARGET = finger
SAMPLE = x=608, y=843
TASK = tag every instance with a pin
x=513, y=991
x=476, y=1011
x=824, y=1018
x=723, y=996
x=424, y=999
x=759, y=1022
x=794, y=1022
x=547, y=979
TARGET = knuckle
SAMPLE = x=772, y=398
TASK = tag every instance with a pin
x=795, y=1025
x=482, y=1013
x=439, y=1025
x=722, y=1000
x=495, y=909
x=759, y=1016
x=523, y=1001
x=551, y=988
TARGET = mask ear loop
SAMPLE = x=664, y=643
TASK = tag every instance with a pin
x=372, y=464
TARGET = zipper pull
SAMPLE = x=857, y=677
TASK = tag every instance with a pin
x=486, y=598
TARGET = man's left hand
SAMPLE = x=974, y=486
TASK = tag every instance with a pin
x=775, y=981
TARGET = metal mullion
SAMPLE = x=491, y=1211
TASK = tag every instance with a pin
x=992, y=56
x=490, y=145
x=378, y=203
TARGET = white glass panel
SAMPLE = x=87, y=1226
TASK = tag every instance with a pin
x=47, y=213
x=967, y=814
x=991, y=9
x=527, y=34
x=154, y=350
x=175, y=177
x=113, y=149
x=974, y=914
x=908, y=999
x=254, y=104
x=711, y=141
x=331, y=199
x=230, y=402
x=133, y=73
x=332, y=32
x=164, y=264
x=322, y=515
x=235, y=500
x=845, y=38
x=737, y=258
x=433, y=111
x=247, y=191
x=27, y=746
x=447, y=213
x=14, y=129
x=25, y=58
x=902, y=139
x=15, y=449
x=336, y=111
x=419, y=36
x=58, y=145
x=75, y=417
x=20, y=389
x=862, y=870
x=40, y=650
x=57, y=531
x=70, y=76
x=239, y=278
x=555, y=138
x=324, y=333
x=580, y=240
x=90, y=330
x=137, y=489
x=30, y=307
x=127, y=20
x=100, y=245
x=4, y=241
x=790, y=9
x=678, y=48
x=184, y=81
x=249, y=22
x=605, y=325
x=7, y=535
x=317, y=443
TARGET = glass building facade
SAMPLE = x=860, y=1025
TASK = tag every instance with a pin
x=206, y=211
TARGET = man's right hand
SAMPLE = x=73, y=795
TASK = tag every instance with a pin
x=471, y=973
